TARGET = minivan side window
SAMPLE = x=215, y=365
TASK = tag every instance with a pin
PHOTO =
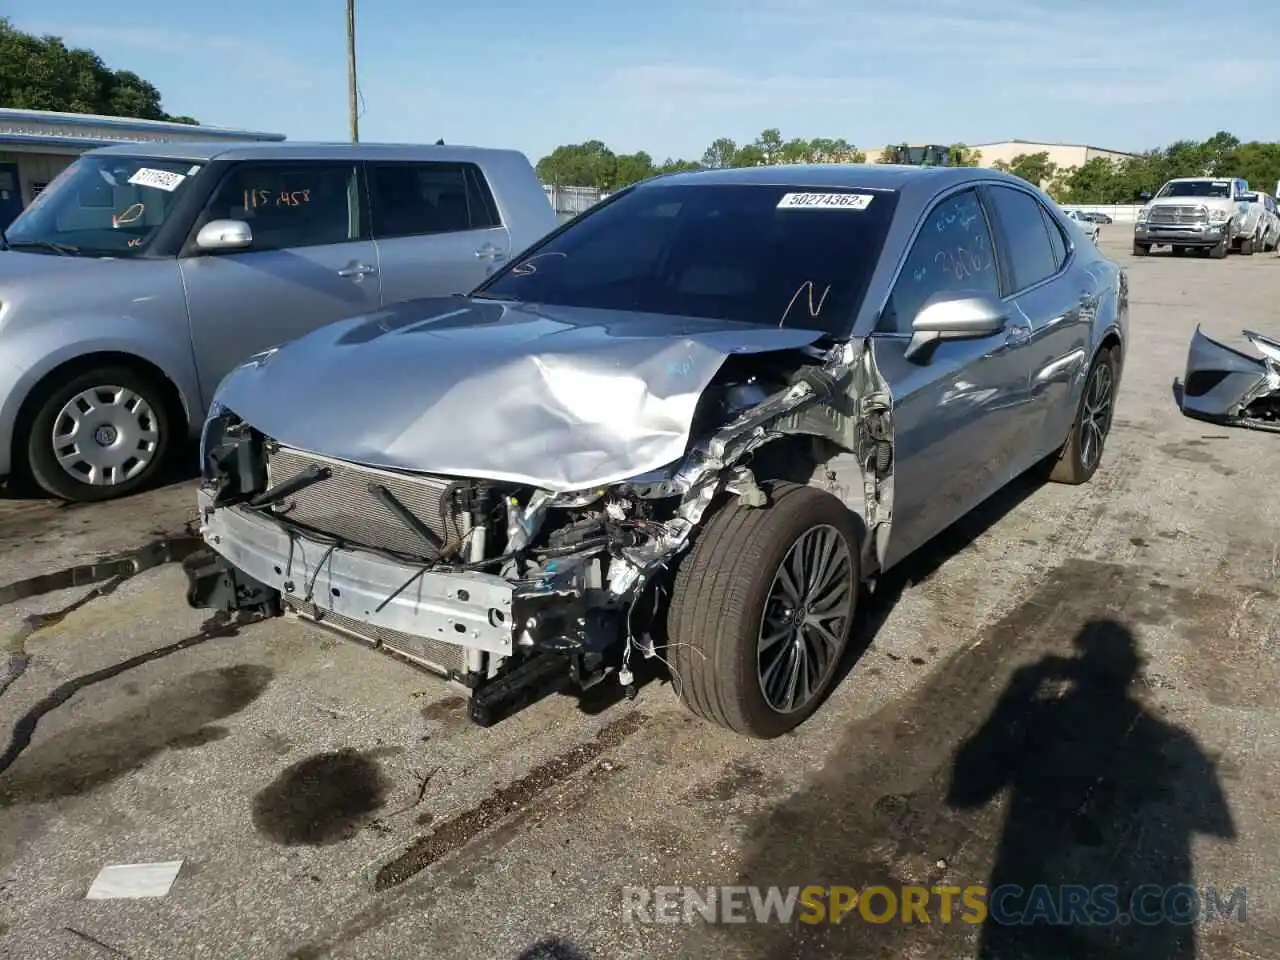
x=421, y=199
x=1027, y=245
x=952, y=251
x=294, y=205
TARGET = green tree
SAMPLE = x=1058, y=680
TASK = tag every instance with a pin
x=43, y=73
x=960, y=155
x=589, y=164
x=1035, y=168
x=722, y=153
x=671, y=165
x=632, y=168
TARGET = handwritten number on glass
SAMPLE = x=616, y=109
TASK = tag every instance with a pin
x=283, y=198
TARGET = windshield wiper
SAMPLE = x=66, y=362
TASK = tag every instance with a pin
x=64, y=249
x=504, y=297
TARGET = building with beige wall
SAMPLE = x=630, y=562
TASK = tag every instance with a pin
x=1063, y=155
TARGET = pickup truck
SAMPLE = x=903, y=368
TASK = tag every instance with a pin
x=1197, y=213
x=144, y=273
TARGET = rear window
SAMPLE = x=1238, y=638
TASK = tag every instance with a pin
x=768, y=255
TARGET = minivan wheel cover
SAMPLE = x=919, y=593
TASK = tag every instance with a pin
x=806, y=618
x=105, y=436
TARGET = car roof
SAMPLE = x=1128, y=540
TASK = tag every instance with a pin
x=917, y=185
x=248, y=150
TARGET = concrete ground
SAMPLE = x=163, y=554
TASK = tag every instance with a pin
x=289, y=770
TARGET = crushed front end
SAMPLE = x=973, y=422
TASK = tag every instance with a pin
x=1223, y=385
x=512, y=590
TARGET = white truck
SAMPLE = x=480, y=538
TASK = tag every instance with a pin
x=1213, y=214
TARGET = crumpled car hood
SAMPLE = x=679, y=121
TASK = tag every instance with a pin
x=562, y=398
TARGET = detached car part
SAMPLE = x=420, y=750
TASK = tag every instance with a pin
x=1224, y=385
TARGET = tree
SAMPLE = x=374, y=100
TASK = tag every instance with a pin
x=722, y=153
x=1099, y=180
x=960, y=155
x=589, y=164
x=43, y=73
x=1035, y=168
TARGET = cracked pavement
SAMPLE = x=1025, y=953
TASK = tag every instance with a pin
x=329, y=801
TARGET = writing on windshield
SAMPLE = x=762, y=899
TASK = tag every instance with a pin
x=103, y=205
x=767, y=255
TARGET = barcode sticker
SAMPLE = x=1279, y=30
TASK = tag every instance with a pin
x=160, y=179
x=825, y=201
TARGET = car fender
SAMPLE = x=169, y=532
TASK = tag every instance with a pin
x=32, y=352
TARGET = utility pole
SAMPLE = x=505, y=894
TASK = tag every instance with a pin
x=353, y=96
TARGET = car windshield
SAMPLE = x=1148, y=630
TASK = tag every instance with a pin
x=102, y=206
x=1196, y=188
x=768, y=255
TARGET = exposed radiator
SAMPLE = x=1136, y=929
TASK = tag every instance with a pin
x=432, y=654
x=343, y=506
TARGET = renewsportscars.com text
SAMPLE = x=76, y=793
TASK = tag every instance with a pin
x=1064, y=905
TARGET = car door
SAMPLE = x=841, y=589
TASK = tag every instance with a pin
x=958, y=409
x=1058, y=298
x=436, y=227
x=310, y=263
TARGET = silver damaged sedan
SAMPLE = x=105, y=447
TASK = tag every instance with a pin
x=692, y=423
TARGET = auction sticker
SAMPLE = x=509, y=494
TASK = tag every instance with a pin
x=825, y=201
x=160, y=179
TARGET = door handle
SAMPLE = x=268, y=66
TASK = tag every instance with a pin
x=490, y=253
x=357, y=270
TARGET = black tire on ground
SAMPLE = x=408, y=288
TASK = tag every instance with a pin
x=1220, y=251
x=1079, y=460
x=42, y=458
x=1141, y=249
x=718, y=606
x=1179, y=251
x=1246, y=247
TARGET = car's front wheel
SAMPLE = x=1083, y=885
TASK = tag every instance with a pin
x=1082, y=453
x=100, y=435
x=761, y=610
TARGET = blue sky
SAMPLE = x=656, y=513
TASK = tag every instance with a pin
x=669, y=76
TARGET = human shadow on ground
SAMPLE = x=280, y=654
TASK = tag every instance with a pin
x=1100, y=791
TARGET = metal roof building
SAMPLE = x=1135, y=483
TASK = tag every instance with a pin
x=36, y=145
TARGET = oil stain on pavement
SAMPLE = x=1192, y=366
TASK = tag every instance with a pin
x=1030, y=758
x=321, y=800
x=83, y=757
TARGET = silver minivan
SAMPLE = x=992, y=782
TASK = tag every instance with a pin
x=144, y=273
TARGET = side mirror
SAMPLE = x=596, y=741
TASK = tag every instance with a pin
x=1249, y=197
x=1144, y=196
x=952, y=317
x=224, y=235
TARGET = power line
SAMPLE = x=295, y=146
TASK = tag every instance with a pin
x=353, y=90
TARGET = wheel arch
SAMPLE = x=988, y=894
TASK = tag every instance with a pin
x=177, y=405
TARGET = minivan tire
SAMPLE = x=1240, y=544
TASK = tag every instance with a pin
x=144, y=409
x=729, y=581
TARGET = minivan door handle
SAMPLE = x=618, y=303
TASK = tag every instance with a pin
x=490, y=253
x=357, y=270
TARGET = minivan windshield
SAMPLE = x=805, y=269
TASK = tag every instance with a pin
x=1196, y=188
x=767, y=255
x=102, y=206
